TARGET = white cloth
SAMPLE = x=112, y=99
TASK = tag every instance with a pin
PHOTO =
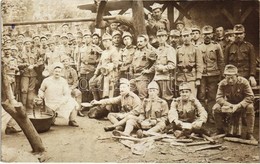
x=57, y=96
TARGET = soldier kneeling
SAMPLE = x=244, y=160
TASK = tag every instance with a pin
x=187, y=113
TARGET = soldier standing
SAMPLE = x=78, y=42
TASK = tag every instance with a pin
x=242, y=55
x=175, y=39
x=234, y=98
x=28, y=62
x=213, y=63
x=89, y=56
x=142, y=67
x=196, y=36
x=117, y=40
x=186, y=112
x=228, y=39
x=126, y=55
x=189, y=63
x=106, y=74
x=164, y=65
x=219, y=34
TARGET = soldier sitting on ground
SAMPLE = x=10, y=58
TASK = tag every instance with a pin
x=234, y=103
x=130, y=106
x=187, y=113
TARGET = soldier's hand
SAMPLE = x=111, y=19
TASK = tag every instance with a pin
x=252, y=81
x=30, y=67
x=197, y=124
x=236, y=108
x=95, y=102
x=197, y=82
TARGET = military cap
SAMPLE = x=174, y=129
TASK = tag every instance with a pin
x=124, y=81
x=79, y=34
x=153, y=85
x=179, y=22
x=19, y=41
x=35, y=35
x=64, y=24
x=27, y=40
x=230, y=70
x=95, y=33
x=156, y=6
x=43, y=36
x=125, y=34
x=195, y=28
x=184, y=86
x=175, y=33
x=228, y=31
x=186, y=31
x=239, y=28
x=21, y=34
x=57, y=65
x=64, y=36
x=64, y=57
x=161, y=32
x=69, y=32
x=116, y=32
x=106, y=36
x=207, y=29
x=87, y=33
x=14, y=48
x=7, y=48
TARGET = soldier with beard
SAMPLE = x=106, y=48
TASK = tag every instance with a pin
x=175, y=39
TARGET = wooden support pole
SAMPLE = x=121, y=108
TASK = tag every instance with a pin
x=138, y=17
x=240, y=140
x=56, y=21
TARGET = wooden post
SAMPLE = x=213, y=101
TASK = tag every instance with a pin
x=170, y=14
x=20, y=116
x=138, y=17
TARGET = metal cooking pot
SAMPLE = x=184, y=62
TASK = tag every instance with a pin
x=41, y=121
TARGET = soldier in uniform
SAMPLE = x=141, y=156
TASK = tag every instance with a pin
x=164, y=65
x=219, y=36
x=213, y=63
x=70, y=74
x=142, y=67
x=155, y=22
x=179, y=25
x=89, y=56
x=27, y=64
x=234, y=99
x=106, y=74
x=242, y=55
x=228, y=39
x=117, y=40
x=130, y=106
x=189, y=63
x=186, y=112
x=175, y=39
x=196, y=36
x=126, y=55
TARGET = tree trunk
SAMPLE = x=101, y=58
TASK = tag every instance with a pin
x=20, y=116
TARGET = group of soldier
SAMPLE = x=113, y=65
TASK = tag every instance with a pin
x=182, y=77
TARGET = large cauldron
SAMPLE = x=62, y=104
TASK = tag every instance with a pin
x=41, y=121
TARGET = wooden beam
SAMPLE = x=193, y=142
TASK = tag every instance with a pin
x=55, y=21
x=170, y=14
x=138, y=18
x=182, y=10
x=123, y=11
x=229, y=16
x=245, y=14
x=237, y=12
x=100, y=13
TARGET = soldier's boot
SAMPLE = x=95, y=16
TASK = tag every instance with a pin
x=72, y=118
x=250, y=121
x=128, y=129
x=219, y=122
x=30, y=98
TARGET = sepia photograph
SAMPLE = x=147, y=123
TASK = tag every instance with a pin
x=130, y=81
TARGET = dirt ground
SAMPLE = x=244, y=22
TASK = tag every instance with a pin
x=89, y=143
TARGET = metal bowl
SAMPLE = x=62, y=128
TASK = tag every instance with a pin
x=41, y=121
